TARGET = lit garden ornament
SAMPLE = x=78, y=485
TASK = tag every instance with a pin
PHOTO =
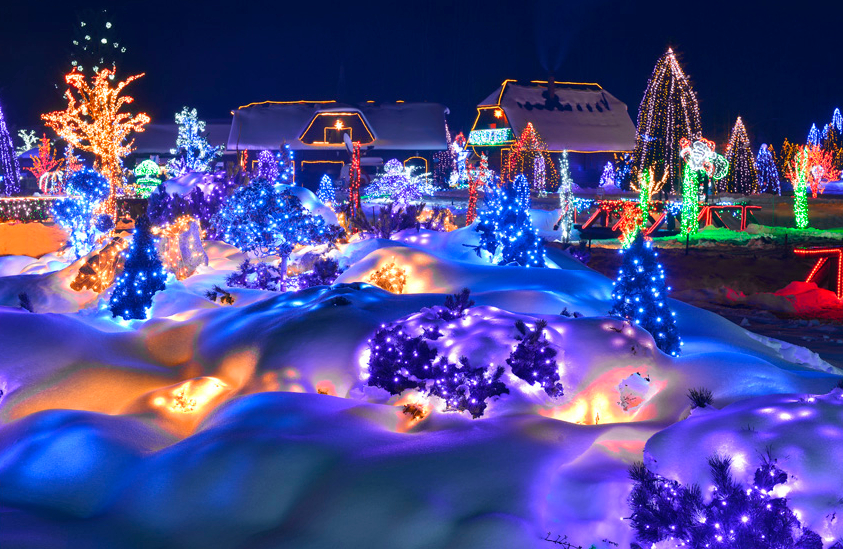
x=29, y=139
x=146, y=178
x=44, y=164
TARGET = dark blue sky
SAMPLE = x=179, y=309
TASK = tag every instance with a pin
x=779, y=68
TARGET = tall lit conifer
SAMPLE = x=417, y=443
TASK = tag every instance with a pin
x=742, y=176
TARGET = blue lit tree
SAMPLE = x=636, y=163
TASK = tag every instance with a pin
x=9, y=167
x=86, y=190
x=640, y=295
x=286, y=165
x=521, y=186
x=768, y=173
x=260, y=220
x=143, y=275
x=813, y=135
x=326, y=193
x=507, y=232
x=193, y=152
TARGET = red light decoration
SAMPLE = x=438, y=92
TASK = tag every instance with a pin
x=823, y=255
x=44, y=163
x=478, y=176
x=94, y=123
x=354, y=183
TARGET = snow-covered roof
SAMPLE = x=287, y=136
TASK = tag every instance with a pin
x=586, y=118
x=160, y=138
x=394, y=126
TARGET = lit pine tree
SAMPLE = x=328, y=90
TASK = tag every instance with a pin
x=142, y=276
x=521, y=187
x=742, y=177
x=507, y=232
x=193, y=152
x=522, y=160
x=566, y=198
x=768, y=174
x=286, y=165
x=813, y=135
x=267, y=167
x=640, y=295
x=9, y=167
x=668, y=112
x=326, y=193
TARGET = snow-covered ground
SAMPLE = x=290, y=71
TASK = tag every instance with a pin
x=251, y=425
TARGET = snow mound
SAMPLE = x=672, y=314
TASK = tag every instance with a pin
x=801, y=431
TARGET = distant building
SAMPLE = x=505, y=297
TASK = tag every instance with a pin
x=584, y=119
x=318, y=133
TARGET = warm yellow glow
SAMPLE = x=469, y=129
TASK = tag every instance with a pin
x=338, y=124
x=498, y=113
x=94, y=123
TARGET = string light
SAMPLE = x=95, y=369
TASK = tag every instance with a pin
x=193, y=153
x=9, y=167
x=146, y=174
x=459, y=153
x=29, y=141
x=354, y=180
x=180, y=246
x=480, y=176
x=25, y=208
x=690, y=199
x=668, y=112
x=400, y=184
x=742, y=177
x=566, y=198
x=98, y=272
x=326, y=193
x=390, y=277
x=44, y=164
x=94, y=123
x=798, y=175
x=823, y=255
x=522, y=159
x=495, y=137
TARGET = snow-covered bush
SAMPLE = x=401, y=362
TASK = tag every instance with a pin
x=256, y=276
x=534, y=360
x=325, y=271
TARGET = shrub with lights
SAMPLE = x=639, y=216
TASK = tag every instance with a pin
x=534, y=359
x=736, y=517
x=86, y=190
x=398, y=362
x=143, y=275
x=399, y=184
x=507, y=232
x=256, y=276
x=260, y=220
x=640, y=295
x=325, y=271
x=164, y=208
x=405, y=355
x=193, y=153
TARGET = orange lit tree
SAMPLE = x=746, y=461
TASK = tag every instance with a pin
x=529, y=156
x=94, y=123
x=46, y=160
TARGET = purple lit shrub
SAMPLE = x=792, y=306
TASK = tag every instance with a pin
x=534, y=360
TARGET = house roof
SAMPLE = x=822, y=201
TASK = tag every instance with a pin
x=395, y=126
x=582, y=117
x=160, y=138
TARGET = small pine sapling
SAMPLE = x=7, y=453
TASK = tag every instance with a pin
x=456, y=305
x=700, y=398
x=534, y=359
x=325, y=271
x=256, y=276
x=465, y=388
x=398, y=362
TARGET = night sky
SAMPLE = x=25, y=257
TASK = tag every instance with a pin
x=779, y=68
